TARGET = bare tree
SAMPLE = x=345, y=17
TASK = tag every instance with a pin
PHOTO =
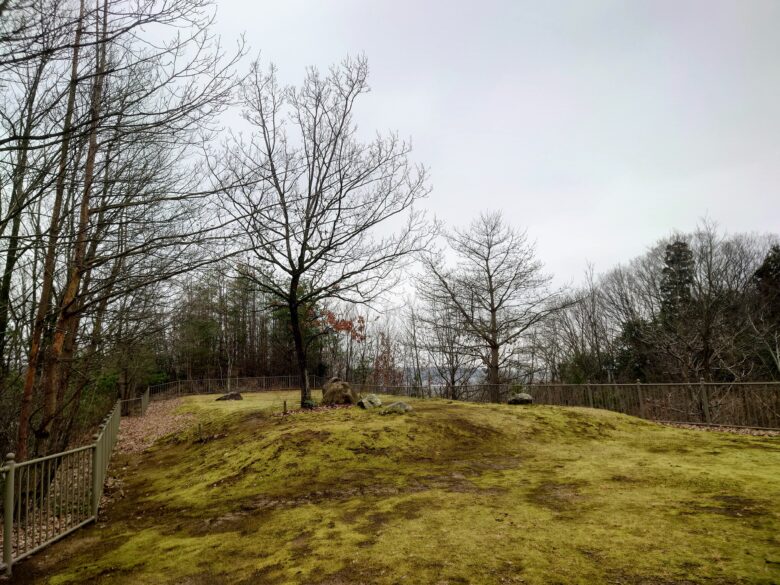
x=497, y=287
x=315, y=204
x=451, y=348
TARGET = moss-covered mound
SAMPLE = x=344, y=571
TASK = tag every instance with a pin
x=450, y=493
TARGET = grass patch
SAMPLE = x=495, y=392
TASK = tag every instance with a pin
x=451, y=493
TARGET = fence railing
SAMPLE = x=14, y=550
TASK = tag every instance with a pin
x=45, y=499
x=737, y=404
x=222, y=385
x=136, y=406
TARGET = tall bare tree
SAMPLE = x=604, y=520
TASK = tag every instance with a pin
x=694, y=306
x=451, y=349
x=497, y=287
x=315, y=204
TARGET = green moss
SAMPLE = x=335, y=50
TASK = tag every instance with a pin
x=451, y=493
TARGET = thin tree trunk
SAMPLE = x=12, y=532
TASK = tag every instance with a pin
x=15, y=210
x=300, y=353
x=493, y=374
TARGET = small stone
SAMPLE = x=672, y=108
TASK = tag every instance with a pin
x=370, y=401
x=521, y=398
x=397, y=408
x=231, y=396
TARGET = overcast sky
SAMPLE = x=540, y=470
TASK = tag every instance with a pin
x=599, y=126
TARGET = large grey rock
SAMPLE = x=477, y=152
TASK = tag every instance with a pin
x=370, y=401
x=231, y=396
x=336, y=391
x=397, y=408
x=520, y=398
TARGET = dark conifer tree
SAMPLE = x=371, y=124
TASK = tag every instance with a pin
x=676, y=280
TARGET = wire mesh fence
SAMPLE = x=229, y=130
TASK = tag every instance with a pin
x=745, y=404
x=224, y=385
x=736, y=404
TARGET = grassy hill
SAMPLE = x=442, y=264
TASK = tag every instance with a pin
x=451, y=493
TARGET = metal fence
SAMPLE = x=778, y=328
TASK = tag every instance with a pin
x=47, y=498
x=136, y=406
x=737, y=404
x=222, y=385
x=743, y=404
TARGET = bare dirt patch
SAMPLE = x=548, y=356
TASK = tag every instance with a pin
x=733, y=506
x=558, y=497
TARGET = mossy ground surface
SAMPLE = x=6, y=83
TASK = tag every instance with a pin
x=451, y=493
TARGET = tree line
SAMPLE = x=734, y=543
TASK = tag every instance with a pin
x=698, y=306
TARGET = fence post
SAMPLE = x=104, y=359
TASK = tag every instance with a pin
x=641, y=399
x=590, y=395
x=96, y=479
x=8, y=513
x=705, y=401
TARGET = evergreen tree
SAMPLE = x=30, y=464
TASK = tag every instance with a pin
x=676, y=280
x=767, y=277
x=764, y=316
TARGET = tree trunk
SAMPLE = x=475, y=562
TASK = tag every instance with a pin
x=5, y=287
x=300, y=347
x=493, y=374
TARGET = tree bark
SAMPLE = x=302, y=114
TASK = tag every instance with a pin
x=300, y=354
x=493, y=373
x=15, y=210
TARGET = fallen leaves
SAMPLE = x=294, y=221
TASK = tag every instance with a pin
x=138, y=433
x=733, y=430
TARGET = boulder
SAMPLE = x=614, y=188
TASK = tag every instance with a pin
x=336, y=391
x=231, y=396
x=520, y=398
x=370, y=401
x=397, y=408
